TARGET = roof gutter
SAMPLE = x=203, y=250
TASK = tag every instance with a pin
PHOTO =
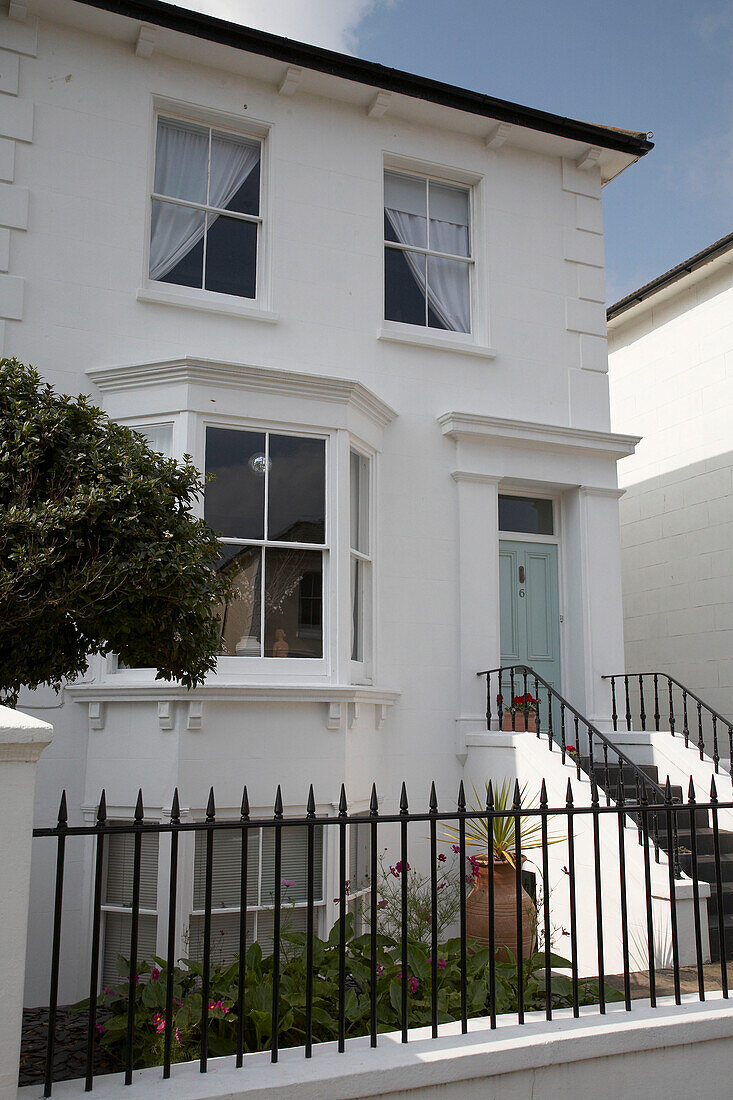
x=370, y=73
x=669, y=277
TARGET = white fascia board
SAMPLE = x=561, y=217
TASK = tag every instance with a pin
x=501, y=431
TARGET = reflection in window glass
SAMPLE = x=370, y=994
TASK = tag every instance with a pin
x=293, y=603
x=296, y=489
x=525, y=515
x=263, y=489
x=235, y=495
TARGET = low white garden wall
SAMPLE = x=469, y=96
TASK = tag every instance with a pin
x=673, y=1052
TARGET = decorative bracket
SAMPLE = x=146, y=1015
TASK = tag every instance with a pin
x=333, y=721
x=18, y=10
x=380, y=715
x=379, y=105
x=290, y=81
x=165, y=716
x=589, y=159
x=96, y=716
x=353, y=715
x=195, y=714
x=145, y=43
x=498, y=135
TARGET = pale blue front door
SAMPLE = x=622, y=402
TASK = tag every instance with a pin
x=530, y=610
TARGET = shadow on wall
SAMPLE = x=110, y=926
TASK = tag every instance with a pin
x=677, y=575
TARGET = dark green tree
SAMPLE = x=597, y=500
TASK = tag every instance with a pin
x=99, y=549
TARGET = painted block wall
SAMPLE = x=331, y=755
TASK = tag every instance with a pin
x=671, y=373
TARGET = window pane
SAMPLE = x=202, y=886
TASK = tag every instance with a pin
x=533, y=517
x=226, y=869
x=181, y=160
x=239, y=620
x=405, y=205
x=448, y=295
x=294, y=865
x=404, y=286
x=293, y=603
x=357, y=627
x=235, y=174
x=117, y=929
x=176, y=244
x=449, y=204
x=224, y=937
x=231, y=256
x=359, y=519
x=297, y=489
x=120, y=870
x=234, y=501
x=159, y=437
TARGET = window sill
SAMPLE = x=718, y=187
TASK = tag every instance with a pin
x=209, y=304
x=440, y=343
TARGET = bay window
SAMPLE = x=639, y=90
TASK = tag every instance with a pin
x=205, y=216
x=427, y=252
x=117, y=902
x=266, y=499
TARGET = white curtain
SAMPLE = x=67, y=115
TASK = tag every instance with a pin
x=175, y=229
x=447, y=283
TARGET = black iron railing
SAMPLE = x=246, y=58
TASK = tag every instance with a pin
x=614, y=771
x=655, y=698
x=357, y=998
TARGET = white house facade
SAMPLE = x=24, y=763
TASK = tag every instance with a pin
x=672, y=341
x=372, y=306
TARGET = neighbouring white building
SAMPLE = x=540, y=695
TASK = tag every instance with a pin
x=373, y=306
x=671, y=373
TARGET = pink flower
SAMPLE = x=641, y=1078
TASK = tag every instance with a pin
x=470, y=878
x=100, y=1029
x=397, y=869
x=442, y=964
x=456, y=848
x=220, y=1005
x=178, y=1036
x=414, y=983
x=565, y=932
x=442, y=857
x=380, y=969
x=382, y=904
x=154, y=974
x=565, y=871
x=286, y=882
x=107, y=989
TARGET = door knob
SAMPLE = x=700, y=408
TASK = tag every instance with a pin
x=521, y=574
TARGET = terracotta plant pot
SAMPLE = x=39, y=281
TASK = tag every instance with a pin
x=519, y=724
x=505, y=910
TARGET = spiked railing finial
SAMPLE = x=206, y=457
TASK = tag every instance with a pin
x=569, y=801
x=139, y=811
x=210, y=806
x=175, y=808
x=343, y=808
x=433, y=799
x=403, y=798
x=244, y=808
x=374, y=801
x=102, y=809
x=278, y=803
x=310, y=808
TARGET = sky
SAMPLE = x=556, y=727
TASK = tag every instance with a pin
x=664, y=66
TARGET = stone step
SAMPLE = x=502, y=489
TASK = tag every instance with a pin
x=705, y=841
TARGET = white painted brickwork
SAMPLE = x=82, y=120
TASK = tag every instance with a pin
x=671, y=371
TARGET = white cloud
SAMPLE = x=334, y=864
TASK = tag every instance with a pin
x=330, y=23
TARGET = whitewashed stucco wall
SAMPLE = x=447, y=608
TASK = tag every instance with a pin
x=81, y=130
x=671, y=373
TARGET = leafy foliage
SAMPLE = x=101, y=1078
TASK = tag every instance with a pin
x=419, y=908
x=99, y=550
x=503, y=826
x=224, y=1007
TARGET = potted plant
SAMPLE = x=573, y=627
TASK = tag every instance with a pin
x=521, y=715
x=504, y=871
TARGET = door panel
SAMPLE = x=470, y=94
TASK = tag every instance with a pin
x=529, y=608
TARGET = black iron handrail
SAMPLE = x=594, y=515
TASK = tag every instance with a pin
x=644, y=783
x=671, y=683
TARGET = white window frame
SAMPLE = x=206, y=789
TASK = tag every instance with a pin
x=362, y=671
x=279, y=669
x=159, y=292
x=427, y=178
x=120, y=818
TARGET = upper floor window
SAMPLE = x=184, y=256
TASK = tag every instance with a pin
x=267, y=501
x=427, y=252
x=205, y=215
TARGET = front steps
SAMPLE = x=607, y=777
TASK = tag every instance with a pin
x=704, y=837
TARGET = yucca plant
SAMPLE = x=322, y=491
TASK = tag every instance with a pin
x=503, y=827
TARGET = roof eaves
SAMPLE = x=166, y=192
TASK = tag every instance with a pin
x=718, y=248
x=371, y=73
